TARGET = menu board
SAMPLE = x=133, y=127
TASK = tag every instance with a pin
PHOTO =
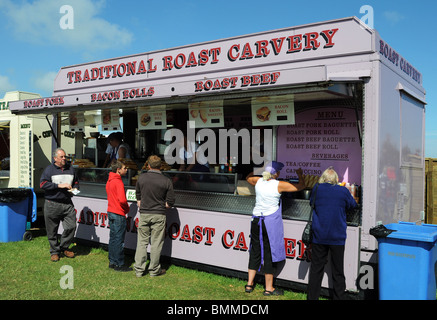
x=76, y=121
x=152, y=118
x=274, y=110
x=110, y=119
x=321, y=138
x=25, y=143
x=206, y=114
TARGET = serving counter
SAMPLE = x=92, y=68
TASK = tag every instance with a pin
x=216, y=192
x=211, y=229
x=99, y=176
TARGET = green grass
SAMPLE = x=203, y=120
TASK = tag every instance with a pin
x=26, y=273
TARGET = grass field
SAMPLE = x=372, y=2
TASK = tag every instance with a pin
x=26, y=273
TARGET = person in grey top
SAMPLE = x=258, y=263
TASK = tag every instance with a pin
x=155, y=195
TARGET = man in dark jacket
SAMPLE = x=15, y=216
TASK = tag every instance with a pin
x=59, y=182
x=154, y=194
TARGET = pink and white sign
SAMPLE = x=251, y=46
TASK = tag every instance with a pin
x=206, y=114
x=275, y=110
x=152, y=118
x=110, y=119
x=213, y=238
x=322, y=138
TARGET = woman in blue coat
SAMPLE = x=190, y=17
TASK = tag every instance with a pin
x=329, y=233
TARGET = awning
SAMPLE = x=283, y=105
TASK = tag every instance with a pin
x=4, y=124
x=308, y=91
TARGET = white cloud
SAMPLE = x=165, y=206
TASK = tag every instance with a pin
x=38, y=23
x=393, y=17
x=45, y=82
x=431, y=134
x=5, y=85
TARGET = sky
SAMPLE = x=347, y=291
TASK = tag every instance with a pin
x=36, y=43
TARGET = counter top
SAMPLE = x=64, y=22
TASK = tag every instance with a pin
x=292, y=209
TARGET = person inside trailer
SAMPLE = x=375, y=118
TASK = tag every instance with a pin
x=117, y=149
x=194, y=159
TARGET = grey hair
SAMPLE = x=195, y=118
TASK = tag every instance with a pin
x=329, y=176
x=267, y=175
x=55, y=153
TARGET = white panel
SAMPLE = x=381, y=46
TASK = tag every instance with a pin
x=214, y=238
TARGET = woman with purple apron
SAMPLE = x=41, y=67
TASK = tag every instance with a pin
x=267, y=229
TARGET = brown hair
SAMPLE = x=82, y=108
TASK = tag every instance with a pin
x=117, y=165
x=154, y=162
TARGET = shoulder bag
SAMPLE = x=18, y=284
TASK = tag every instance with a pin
x=307, y=235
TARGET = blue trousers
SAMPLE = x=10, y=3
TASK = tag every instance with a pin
x=117, y=231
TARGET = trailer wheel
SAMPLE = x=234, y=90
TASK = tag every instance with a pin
x=27, y=236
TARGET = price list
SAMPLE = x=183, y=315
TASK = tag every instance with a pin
x=25, y=156
x=319, y=139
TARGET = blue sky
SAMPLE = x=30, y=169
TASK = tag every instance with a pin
x=34, y=46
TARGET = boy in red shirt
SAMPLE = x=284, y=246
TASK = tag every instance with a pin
x=118, y=209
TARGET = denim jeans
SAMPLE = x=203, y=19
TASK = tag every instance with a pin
x=117, y=230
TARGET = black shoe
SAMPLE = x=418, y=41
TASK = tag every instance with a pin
x=249, y=288
x=112, y=266
x=122, y=268
x=275, y=292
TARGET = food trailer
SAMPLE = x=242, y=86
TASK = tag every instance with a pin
x=19, y=167
x=323, y=94
x=22, y=163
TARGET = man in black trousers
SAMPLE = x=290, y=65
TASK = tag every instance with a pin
x=58, y=181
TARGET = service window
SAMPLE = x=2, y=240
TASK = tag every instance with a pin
x=412, y=124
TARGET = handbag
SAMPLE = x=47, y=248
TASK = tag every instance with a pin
x=307, y=234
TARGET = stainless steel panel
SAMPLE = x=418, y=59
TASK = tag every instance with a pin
x=292, y=209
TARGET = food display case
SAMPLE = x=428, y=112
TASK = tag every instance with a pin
x=92, y=181
x=203, y=181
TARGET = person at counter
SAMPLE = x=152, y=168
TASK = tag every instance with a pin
x=57, y=181
x=329, y=233
x=155, y=194
x=118, y=208
x=267, y=229
x=194, y=159
x=117, y=149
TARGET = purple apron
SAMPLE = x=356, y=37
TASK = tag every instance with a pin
x=275, y=232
